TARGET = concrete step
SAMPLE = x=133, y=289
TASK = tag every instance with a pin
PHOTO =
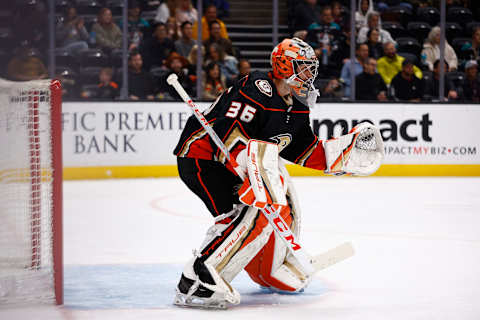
x=257, y=37
x=252, y=29
x=254, y=5
x=255, y=54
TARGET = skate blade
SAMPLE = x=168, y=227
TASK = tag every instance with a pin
x=182, y=300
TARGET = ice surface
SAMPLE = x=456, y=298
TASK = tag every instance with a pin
x=417, y=243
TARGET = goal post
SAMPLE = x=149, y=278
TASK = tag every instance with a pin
x=31, y=239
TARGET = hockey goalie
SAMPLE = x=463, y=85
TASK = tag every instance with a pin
x=261, y=120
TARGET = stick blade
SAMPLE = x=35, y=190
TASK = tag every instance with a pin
x=333, y=256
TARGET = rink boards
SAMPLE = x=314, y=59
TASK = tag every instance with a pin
x=122, y=139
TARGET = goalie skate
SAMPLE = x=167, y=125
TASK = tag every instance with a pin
x=193, y=292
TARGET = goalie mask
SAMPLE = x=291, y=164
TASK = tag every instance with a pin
x=295, y=61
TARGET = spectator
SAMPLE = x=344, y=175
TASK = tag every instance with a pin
x=107, y=34
x=140, y=82
x=30, y=23
x=26, y=65
x=192, y=63
x=391, y=63
x=223, y=7
x=214, y=83
x=172, y=29
x=332, y=91
x=326, y=18
x=306, y=14
x=209, y=17
x=431, y=49
x=341, y=52
x=185, y=44
x=472, y=50
x=326, y=67
x=156, y=49
x=107, y=89
x=405, y=85
x=432, y=86
x=338, y=14
x=243, y=68
x=375, y=48
x=185, y=12
x=361, y=56
x=326, y=31
x=136, y=24
x=228, y=64
x=166, y=9
x=471, y=85
x=71, y=33
x=363, y=9
x=369, y=84
x=178, y=65
x=373, y=22
x=216, y=37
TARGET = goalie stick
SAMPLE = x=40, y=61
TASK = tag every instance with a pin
x=332, y=256
x=309, y=266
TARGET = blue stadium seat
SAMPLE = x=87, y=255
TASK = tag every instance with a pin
x=419, y=30
x=459, y=15
x=89, y=75
x=453, y=30
x=430, y=15
x=399, y=14
x=88, y=7
x=89, y=91
x=116, y=6
x=470, y=27
x=395, y=28
x=93, y=58
x=408, y=45
x=64, y=58
x=409, y=56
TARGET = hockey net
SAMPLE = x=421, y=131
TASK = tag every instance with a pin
x=31, y=268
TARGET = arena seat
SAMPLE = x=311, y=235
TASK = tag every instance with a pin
x=419, y=30
x=431, y=15
x=409, y=45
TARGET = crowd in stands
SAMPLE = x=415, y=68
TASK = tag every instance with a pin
x=397, y=49
x=397, y=54
x=88, y=39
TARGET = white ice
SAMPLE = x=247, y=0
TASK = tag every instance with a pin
x=417, y=243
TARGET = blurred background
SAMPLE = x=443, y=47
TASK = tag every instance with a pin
x=125, y=49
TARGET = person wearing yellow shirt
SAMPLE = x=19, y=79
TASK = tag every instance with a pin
x=391, y=63
x=210, y=15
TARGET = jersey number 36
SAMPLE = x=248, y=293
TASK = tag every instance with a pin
x=246, y=115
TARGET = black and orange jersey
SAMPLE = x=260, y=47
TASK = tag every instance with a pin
x=252, y=109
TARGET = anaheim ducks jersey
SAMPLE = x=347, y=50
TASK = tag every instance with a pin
x=253, y=109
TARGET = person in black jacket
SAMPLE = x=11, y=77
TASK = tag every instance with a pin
x=306, y=14
x=471, y=84
x=405, y=85
x=432, y=86
x=369, y=84
x=140, y=82
x=156, y=50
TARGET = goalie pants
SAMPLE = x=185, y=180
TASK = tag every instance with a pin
x=212, y=182
x=217, y=187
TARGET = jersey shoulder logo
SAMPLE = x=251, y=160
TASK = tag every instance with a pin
x=264, y=87
x=282, y=140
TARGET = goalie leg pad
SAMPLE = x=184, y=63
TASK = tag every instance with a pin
x=226, y=250
x=274, y=268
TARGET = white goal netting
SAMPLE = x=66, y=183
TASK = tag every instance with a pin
x=27, y=192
